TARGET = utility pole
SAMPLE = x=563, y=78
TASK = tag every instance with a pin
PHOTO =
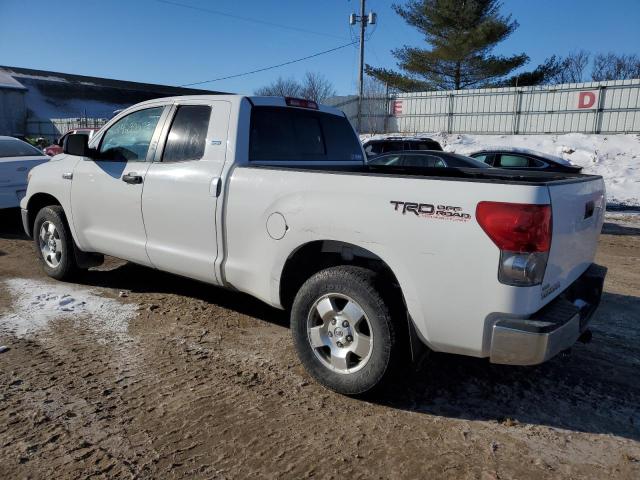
x=364, y=21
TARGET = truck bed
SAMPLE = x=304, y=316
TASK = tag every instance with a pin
x=488, y=175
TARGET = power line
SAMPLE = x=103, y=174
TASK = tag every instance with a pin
x=271, y=67
x=247, y=19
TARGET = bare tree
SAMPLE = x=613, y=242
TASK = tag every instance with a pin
x=282, y=87
x=609, y=66
x=316, y=87
x=374, y=105
x=572, y=67
x=374, y=88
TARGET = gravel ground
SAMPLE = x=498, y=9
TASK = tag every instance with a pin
x=189, y=381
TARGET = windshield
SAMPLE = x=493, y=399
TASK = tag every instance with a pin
x=293, y=134
x=12, y=147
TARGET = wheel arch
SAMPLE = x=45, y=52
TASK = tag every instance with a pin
x=37, y=202
x=313, y=256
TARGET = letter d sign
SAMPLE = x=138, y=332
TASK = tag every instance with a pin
x=586, y=99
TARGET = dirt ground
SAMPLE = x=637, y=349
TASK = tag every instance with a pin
x=204, y=383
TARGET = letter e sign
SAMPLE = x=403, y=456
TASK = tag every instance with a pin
x=397, y=107
x=586, y=100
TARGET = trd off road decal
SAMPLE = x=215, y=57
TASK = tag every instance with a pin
x=428, y=210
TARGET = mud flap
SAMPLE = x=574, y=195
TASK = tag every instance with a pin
x=87, y=260
x=419, y=351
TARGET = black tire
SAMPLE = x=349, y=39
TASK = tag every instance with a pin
x=65, y=266
x=359, y=285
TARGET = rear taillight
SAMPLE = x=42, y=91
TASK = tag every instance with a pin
x=522, y=232
x=301, y=103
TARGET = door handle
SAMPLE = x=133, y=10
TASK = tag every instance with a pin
x=132, y=178
x=215, y=187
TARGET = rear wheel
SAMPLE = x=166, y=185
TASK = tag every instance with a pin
x=54, y=243
x=343, y=331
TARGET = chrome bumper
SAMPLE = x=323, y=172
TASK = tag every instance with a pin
x=534, y=340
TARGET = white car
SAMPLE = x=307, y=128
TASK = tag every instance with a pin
x=17, y=158
x=272, y=197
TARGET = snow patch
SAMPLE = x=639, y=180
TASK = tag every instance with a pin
x=37, y=304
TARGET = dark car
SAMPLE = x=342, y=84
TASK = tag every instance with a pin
x=379, y=146
x=425, y=159
x=524, y=160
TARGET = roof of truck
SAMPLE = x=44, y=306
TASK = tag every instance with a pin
x=255, y=100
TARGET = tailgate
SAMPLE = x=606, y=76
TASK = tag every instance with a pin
x=577, y=216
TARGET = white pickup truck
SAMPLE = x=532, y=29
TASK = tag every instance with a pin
x=272, y=197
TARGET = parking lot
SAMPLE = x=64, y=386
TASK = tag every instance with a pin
x=134, y=373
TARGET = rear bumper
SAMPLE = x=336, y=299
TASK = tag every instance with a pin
x=25, y=221
x=534, y=340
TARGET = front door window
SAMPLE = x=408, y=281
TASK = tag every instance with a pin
x=129, y=138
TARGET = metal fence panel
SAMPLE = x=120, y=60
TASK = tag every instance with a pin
x=595, y=107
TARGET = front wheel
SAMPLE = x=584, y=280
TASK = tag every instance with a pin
x=343, y=331
x=54, y=243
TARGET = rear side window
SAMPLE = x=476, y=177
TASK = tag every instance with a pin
x=17, y=148
x=425, y=145
x=386, y=160
x=423, y=161
x=454, y=160
x=393, y=147
x=279, y=133
x=483, y=158
x=188, y=134
x=533, y=162
x=513, y=161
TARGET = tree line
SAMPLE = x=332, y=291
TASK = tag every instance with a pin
x=314, y=86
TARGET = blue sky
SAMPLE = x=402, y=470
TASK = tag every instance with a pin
x=151, y=41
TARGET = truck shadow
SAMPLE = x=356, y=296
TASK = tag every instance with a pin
x=595, y=389
x=139, y=279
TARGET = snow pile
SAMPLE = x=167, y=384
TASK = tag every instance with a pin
x=623, y=218
x=37, y=304
x=615, y=157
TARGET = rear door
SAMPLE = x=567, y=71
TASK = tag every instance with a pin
x=182, y=187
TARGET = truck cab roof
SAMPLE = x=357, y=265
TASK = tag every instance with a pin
x=254, y=100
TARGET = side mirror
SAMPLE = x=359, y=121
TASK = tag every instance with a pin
x=76, y=144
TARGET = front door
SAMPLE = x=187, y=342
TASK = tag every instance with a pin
x=106, y=192
x=182, y=187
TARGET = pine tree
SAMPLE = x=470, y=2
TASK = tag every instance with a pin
x=544, y=74
x=462, y=35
